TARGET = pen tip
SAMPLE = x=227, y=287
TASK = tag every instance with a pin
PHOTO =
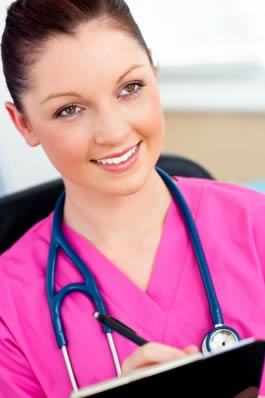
x=96, y=314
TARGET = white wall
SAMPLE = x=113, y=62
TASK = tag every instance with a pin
x=20, y=165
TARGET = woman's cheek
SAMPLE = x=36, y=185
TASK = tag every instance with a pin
x=58, y=148
x=153, y=120
x=148, y=116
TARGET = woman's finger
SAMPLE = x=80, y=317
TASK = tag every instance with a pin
x=191, y=349
x=150, y=354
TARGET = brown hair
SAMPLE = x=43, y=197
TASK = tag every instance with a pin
x=30, y=23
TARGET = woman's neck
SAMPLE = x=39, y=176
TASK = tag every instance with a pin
x=105, y=219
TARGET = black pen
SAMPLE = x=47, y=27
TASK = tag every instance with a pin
x=120, y=328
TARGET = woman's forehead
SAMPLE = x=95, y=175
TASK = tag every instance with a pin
x=96, y=52
x=91, y=44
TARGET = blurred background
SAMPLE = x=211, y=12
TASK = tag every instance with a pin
x=211, y=58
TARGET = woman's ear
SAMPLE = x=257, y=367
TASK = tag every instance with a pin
x=22, y=125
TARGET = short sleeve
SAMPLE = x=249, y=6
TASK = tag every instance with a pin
x=16, y=376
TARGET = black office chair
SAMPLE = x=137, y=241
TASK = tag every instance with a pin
x=176, y=165
x=20, y=210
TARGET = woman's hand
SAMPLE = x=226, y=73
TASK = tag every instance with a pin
x=154, y=353
x=251, y=392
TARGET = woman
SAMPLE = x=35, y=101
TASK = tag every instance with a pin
x=84, y=88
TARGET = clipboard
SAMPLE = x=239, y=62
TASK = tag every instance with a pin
x=223, y=374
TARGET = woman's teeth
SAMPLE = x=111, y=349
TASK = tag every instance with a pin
x=120, y=159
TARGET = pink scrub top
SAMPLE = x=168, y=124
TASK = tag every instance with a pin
x=173, y=310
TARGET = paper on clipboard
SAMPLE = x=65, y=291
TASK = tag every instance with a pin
x=221, y=374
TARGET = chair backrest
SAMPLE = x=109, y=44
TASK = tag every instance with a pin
x=176, y=165
x=20, y=210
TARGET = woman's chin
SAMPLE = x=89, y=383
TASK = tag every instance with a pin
x=133, y=184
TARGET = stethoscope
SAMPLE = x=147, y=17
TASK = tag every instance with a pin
x=219, y=337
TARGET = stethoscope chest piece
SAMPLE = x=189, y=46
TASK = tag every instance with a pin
x=218, y=338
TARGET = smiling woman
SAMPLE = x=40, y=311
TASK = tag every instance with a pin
x=102, y=128
x=81, y=118
x=85, y=88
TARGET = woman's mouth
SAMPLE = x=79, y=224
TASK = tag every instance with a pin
x=119, y=163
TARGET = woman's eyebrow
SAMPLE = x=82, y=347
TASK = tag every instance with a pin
x=73, y=94
x=128, y=71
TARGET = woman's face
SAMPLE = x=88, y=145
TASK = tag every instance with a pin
x=95, y=109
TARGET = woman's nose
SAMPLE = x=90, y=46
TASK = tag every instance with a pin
x=111, y=127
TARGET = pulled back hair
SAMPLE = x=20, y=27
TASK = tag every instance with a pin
x=30, y=23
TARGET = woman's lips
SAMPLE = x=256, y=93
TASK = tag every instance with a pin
x=123, y=166
x=116, y=155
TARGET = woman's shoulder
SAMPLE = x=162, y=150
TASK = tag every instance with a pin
x=223, y=209
x=30, y=249
x=221, y=193
x=22, y=284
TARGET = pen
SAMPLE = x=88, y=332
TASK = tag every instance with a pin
x=120, y=328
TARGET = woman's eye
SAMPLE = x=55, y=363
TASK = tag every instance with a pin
x=67, y=112
x=131, y=88
x=70, y=110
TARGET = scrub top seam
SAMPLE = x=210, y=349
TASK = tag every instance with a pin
x=129, y=316
x=114, y=303
x=110, y=299
x=187, y=247
x=184, y=263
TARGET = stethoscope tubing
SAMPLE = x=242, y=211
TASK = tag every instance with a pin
x=90, y=287
x=55, y=299
x=213, y=302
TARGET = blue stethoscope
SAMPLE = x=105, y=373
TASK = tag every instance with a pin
x=219, y=337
